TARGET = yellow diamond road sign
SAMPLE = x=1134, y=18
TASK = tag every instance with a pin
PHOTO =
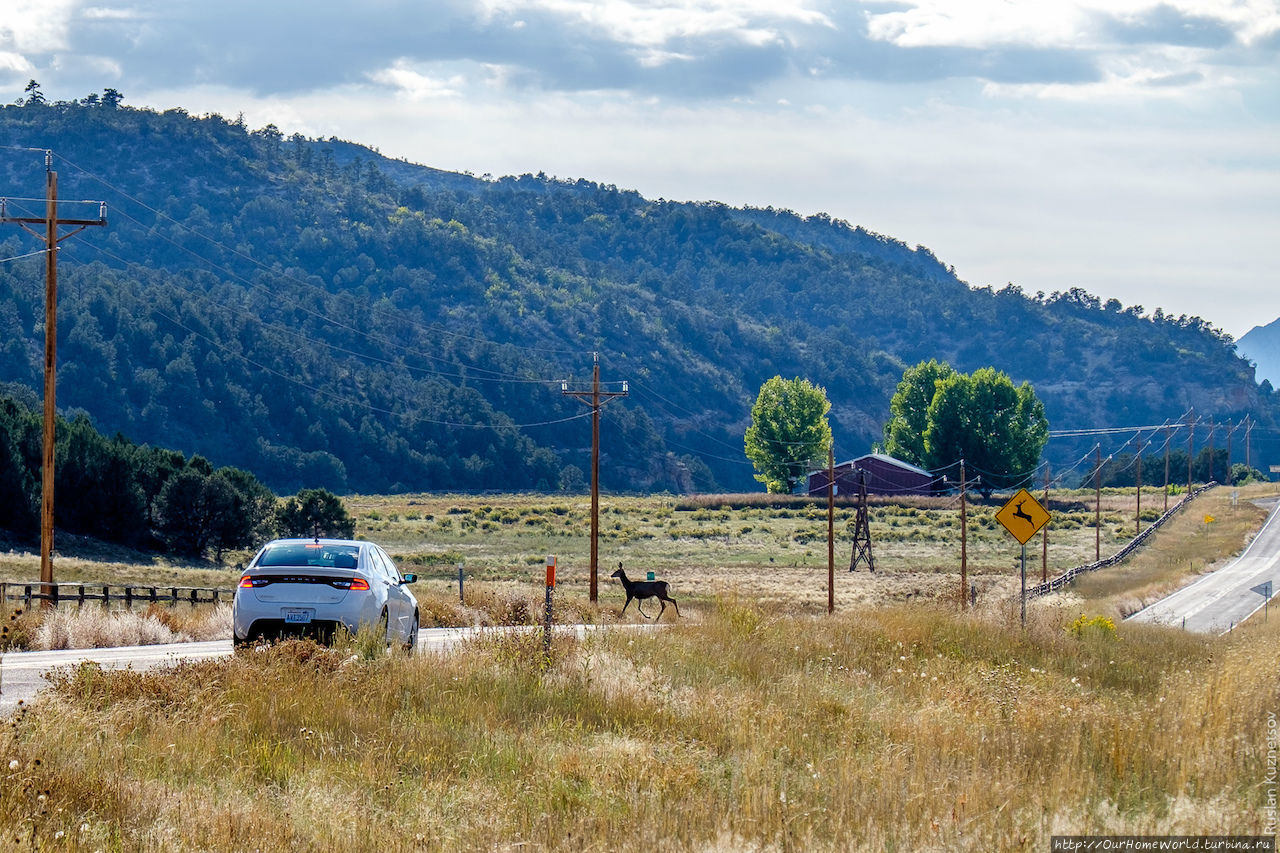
x=1023, y=516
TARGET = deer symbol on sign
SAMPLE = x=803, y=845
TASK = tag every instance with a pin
x=1018, y=513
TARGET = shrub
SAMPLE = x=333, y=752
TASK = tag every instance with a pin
x=1095, y=626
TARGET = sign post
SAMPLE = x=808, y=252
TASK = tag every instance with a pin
x=1023, y=517
x=1264, y=590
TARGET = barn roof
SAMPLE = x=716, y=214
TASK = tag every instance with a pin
x=888, y=460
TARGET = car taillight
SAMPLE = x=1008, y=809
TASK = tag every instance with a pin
x=251, y=582
x=355, y=584
x=246, y=582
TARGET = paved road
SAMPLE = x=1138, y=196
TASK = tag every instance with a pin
x=1222, y=599
x=22, y=673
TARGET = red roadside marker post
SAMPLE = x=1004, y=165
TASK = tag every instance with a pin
x=551, y=585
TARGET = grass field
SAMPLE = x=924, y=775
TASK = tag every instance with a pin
x=754, y=723
x=765, y=550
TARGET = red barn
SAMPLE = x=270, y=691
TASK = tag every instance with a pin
x=884, y=476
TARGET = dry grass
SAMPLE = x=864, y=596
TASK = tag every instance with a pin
x=901, y=728
x=757, y=548
x=760, y=548
x=79, y=559
x=752, y=724
x=98, y=627
x=94, y=626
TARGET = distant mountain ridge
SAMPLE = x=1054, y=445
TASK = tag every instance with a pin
x=324, y=316
x=1261, y=345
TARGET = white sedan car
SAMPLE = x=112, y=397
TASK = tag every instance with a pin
x=312, y=587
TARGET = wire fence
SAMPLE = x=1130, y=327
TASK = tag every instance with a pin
x=79, y=593
x=1132, y=545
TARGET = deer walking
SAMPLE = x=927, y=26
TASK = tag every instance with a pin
x=640, y=590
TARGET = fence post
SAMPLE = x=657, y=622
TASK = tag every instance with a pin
x=106, y=596
x=26, y=597
x=551, y=585
x=194, y=596
x=173, y=596
x=128, y=597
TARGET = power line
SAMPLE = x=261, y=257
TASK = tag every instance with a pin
x=347, y=400
x=27, y=255
x=301, y=336
x=354, y=330
x=430, y=329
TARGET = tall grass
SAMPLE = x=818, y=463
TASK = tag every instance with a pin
x=905, y=728
x=100, y=627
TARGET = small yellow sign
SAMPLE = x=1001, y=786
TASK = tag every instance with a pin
x=1209, y=519
x=1023, y=516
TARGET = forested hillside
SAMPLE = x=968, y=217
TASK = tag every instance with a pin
x=325, y=317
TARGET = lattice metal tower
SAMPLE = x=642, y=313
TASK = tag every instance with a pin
x=862, y=529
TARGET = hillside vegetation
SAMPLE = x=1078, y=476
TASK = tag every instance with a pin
x=322, y=316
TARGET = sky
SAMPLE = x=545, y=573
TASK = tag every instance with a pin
x=1128, y=147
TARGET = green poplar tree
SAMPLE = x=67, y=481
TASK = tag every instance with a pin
x=789, y=432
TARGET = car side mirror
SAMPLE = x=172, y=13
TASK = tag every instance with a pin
x=409, y=578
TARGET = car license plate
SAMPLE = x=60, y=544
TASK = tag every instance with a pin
x=297, y=616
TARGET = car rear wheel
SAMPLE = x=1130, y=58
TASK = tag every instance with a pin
x=384, y=628
x=411, y=641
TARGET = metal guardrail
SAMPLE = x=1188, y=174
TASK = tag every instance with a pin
x=79, y=593
x=1132, y=545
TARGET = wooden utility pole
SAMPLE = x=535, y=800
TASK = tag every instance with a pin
x=1191, y=448
x=1137, y=513
x=595, y=398
x=50, y=221
x=1248, y=428
x=1167, y=435
x=1097, y=505
x=964, y=542
x=831, y=530
x=1211, y=426
x=1044, y=556
x=1230, y=447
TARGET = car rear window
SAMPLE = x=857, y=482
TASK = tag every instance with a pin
x=308, y=554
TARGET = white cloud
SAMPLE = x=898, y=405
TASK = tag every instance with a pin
x=100, y=13
x=15, y=62
x=35, y=26
x=415, y=85
x=980, y=23
x=652, y=24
